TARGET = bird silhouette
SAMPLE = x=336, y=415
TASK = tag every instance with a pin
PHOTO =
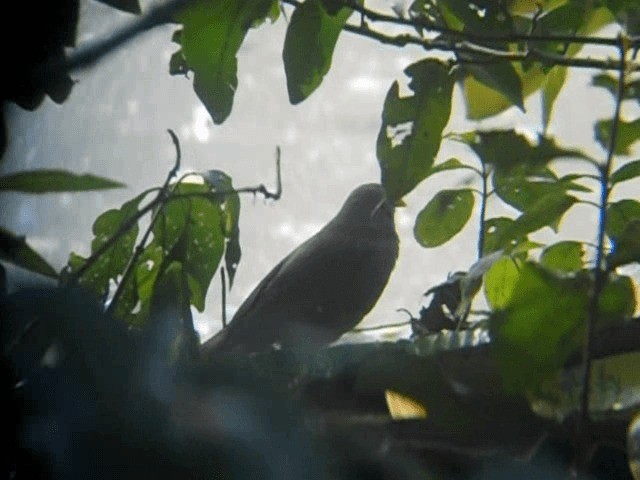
x=324, y=287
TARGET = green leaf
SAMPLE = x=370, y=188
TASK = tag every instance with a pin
x=47, y=181
x=14, y=249
x=502, y=78
x=626, y=172
x=114, y=260
x=221, y=182
x=628, y=134
x=495, y=237
x=311, y=38
x=187, y=233
x=547, y=211
x=190, y=231
x=553, y=83
x=620, y=215
x=443, y=217
x=531, y=335
x=482, y=101
x=411, y=130
x=623, y=229
x=492, y=17
x=617, y=299
x=450, y=164
x=499, y=282
x=213, y=31
x=626, y=246
x=564, y=256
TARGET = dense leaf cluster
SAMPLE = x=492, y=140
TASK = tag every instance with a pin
x=546, y=301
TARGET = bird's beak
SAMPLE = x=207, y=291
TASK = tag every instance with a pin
x=384, y=206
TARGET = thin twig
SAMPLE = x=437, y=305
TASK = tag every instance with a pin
x=223, y=281
x=483, y=211
x=381, y=327
x=599, y=271
x=163, y=196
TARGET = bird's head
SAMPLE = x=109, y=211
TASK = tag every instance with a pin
x=368, y=205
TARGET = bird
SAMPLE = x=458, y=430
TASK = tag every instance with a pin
x=324, y=287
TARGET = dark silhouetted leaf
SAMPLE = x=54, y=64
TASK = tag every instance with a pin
x=130, y=6
x=411, y=130
x=506, y=149
x=48, y=181
x=308, y=47
x=443, y=217
x=14, y=249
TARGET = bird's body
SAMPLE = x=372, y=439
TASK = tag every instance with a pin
x=324, y=287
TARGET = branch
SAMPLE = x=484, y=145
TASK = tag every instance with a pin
x=95, y=51
x=162, y=197
x=600, y=274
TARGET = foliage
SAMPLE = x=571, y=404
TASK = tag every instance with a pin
x=548, y=301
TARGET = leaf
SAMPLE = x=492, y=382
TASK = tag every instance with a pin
x=531, y=335
x=221, y=182
x=48, y=181
x=491, y=17
x=623, y=230
x=506, y=149
x=482, y=101
x=628, y=134
x=443, y=217
x=545, y=212
x=212, y=34
x=190, y=231
x=553, y=83
x=411, y=130
x=610, y=83
x=499, y=282
x=450, y=164
x=564, y=256
x=311, y=37
x=626, y=172
x=617, y=300
x=129, y=6
x=502, y=78
x=113, y=261
x=619, y=215
x=495, y=238
x=14, y=249
x=626, y=246
x=403, y=407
